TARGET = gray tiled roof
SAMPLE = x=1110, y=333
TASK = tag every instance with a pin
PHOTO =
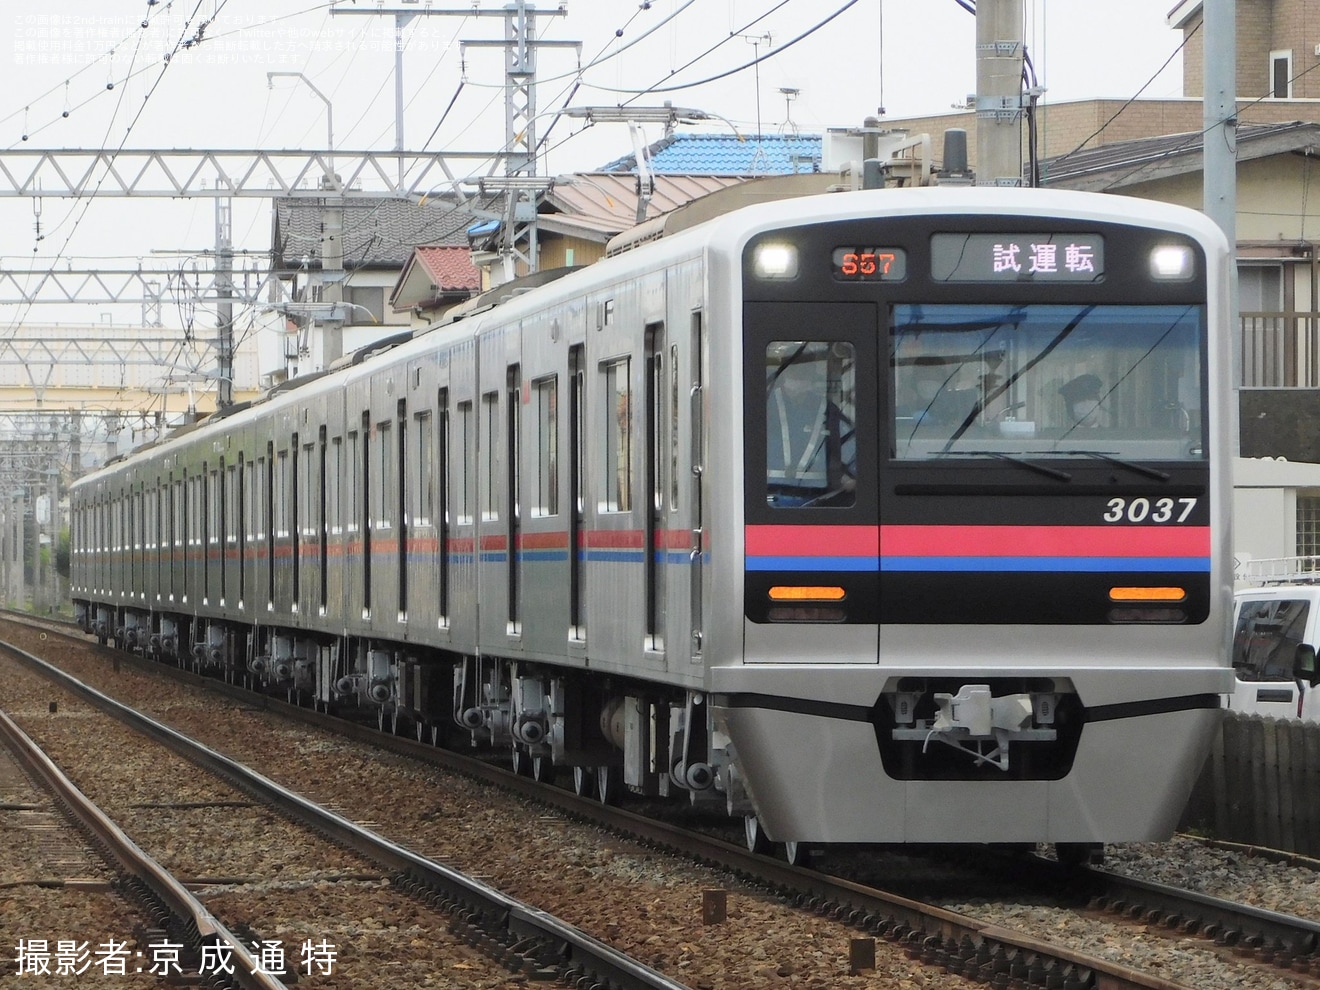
x=1124, y=163
x=377, y=232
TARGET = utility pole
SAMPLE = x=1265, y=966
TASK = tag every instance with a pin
x=999, y=61
x=1219, y=137
x=224, y=287
x=332, y=219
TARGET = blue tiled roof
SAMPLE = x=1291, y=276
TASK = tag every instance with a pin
x=725, y=154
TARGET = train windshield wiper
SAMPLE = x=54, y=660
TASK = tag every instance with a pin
x=1148, y=471
x=1049, y=472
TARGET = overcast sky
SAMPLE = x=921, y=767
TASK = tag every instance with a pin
x=85, y=73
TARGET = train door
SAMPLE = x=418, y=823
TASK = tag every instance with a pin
x=420, y=572
x=544, y=561
x=499, y=491
x=577, y=519
x=656, y=430
x=334, y=538
x=812, y=538
x=461, y=454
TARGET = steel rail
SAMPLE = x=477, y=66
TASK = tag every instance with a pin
x=522, y=938
x=930, y=933
x=1271, y=936
x=198, y=925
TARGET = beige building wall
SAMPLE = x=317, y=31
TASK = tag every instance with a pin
x=1071, y=126
x=1263, y=26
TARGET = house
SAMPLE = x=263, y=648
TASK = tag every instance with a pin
x=339, y=262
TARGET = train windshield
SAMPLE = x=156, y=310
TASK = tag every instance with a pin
x=1040, y=381
x=811, y=410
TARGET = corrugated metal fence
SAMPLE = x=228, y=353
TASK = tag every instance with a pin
x=1261, y=785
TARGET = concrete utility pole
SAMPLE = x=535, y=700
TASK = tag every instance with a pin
x=332, y=219
x=1219, y=127
x=999, y=55
x=224, y=307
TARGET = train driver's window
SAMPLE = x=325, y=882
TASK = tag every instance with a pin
x=1266, y=638
x=811, y=414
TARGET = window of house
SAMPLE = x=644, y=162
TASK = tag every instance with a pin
x=1308, y=524
x=365, y=299
x=1281, y=75
x=1260, y=288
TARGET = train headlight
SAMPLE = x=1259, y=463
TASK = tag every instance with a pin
x=775, y=260
x=1172, y=263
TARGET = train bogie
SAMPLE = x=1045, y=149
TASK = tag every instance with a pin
x=814, y=513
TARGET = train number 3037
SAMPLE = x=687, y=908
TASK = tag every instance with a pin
x=1155, y=510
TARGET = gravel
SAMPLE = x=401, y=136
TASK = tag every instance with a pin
x=649, y=904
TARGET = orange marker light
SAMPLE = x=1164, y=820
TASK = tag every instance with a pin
x=1147, y=594
x=788, y=593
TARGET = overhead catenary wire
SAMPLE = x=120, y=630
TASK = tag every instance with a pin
x=1195, y=136
x=85, y=198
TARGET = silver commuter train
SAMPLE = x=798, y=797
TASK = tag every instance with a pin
x=890, y=516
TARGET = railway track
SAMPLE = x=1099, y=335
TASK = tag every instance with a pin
x=202, y=846
x=955, y=942
x=181, y=923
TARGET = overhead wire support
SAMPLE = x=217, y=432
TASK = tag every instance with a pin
x=520, y=147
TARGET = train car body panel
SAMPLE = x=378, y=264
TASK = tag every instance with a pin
x=883, y=516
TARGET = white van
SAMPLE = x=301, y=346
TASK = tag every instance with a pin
x=1276, y=627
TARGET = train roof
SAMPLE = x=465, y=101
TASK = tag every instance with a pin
x=726, y=231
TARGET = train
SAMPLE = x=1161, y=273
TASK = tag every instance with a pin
x=874, y=516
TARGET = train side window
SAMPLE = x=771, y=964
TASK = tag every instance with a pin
x=1266, y=638
x=303, y=477
x=490, y=411
x=546, y=393
x=462, y=466
x=385, y=446
x=618, y=436
x=334, y=485
x=354, y=483
x=280, y=503
x=811, y=415
x=674, y=399
x=179, y=510
x=424, y=510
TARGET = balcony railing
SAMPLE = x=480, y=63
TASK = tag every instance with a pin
x=1280, y=350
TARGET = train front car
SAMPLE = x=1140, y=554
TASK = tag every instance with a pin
x=985, y=549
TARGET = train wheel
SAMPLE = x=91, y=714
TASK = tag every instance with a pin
x=584, y=781
x=522, y=762
x=609, y=785
x=756, y=837
x=796, y=853
x=543, y=769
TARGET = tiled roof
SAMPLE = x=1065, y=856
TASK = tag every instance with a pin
x=378, y=233
x=605, y=203
x=728, y=154
x=450, y=268
x=433, y=275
